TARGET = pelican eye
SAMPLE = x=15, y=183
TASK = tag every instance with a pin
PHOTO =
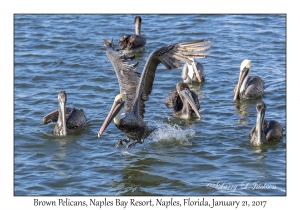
x=260, y=108
x=120, y=101
x=245, y=69
x=185, y=90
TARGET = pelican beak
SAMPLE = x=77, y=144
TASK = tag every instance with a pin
x=115, y=109
x=196, y=71
x=259, y=125
x=242, y=76
x=62, y=108
x=188, y=96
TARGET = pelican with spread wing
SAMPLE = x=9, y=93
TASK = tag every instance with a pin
x=128, y=108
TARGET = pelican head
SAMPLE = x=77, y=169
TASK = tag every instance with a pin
x=243, y=77
x=116, y=112
x=261, y=109
x=184, y=93
x=62, y=100
x=137, y=22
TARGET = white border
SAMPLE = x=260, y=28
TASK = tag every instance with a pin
x=9, y=8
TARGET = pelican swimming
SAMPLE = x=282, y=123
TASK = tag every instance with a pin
x=135, y=42
x=184, y=101
x=68, y=120
x=128, y=108
x=192, y=73
x=248, y=87
x=264, y=131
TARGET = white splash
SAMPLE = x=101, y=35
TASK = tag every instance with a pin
x=125, y=152
x=171, y=133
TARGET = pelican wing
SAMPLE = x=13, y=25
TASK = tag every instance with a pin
x=76, y=119
x=171, y=99
x=255, y=87
x=129, y=42
x=170, y=56
x=128, y=78
x=53, y=116
x=273, y=130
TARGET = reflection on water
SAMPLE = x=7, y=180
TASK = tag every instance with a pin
x=136, y=177
x=242, y=107
x=195, y=86
x=63, y=146
x=265, y=147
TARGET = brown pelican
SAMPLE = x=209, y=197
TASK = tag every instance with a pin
x=248, y=87
x=135, y=42
x=264, y=131
x=184, y=101
x=192, y=73
x=128, y=108
x=68, y=120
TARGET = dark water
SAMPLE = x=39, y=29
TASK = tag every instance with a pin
x=212, y=156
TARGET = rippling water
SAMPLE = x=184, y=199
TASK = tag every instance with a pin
x=206, y=157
